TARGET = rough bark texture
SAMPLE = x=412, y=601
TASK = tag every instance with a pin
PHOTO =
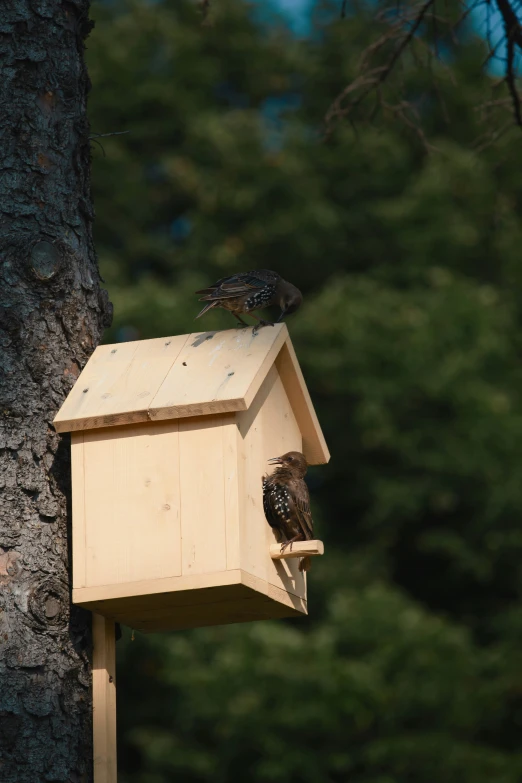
x=52, y=313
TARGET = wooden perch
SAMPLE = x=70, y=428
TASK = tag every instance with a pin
x=299, y=549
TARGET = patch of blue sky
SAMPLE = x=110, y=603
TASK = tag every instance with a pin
x=297, y=14
x=486, y=19
x=490, y=25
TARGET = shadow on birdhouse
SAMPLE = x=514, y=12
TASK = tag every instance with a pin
x=170, y=438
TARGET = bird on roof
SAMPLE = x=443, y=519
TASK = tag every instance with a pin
x=286, y=502
x=248, y=291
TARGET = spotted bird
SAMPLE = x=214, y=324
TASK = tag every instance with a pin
x=286, y=502
x=245, y=292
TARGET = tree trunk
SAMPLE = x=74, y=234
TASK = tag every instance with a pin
x=52, y=313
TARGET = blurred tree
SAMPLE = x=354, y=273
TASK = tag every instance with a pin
x=427, y=33
x=409, y=338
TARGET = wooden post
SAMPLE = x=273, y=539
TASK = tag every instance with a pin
x=104, y=699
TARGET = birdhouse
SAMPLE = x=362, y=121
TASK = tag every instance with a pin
x=170, y=438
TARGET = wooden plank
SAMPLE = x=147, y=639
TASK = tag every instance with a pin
x=202, y=486
x=252, y=599
x=78, y=509
x=314, y=444
x=132, y=503
x=264, y=367
x=216, y=372
x=249, y=599
x=281, y=433
x=246, y=611
x=104, y=700
x=299, y=549
x=118, y=383
x=267, y=429
x=191, y=589
x=230, y=441
x=168, y=603
x=207, y=373
x=253, y=545
x=151, y=587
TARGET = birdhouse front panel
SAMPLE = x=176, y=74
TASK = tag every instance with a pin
x=168, y=523
x=154, y=501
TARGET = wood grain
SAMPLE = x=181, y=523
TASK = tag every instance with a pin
x=202, y=488
x=205, y=373
x=314, y=444
x=215, y=375
x=267, y=429
x=132, y=503
x=299, y=549
x=104, y=699
x=78, y=509
x=246, y=599
x=281, y=433
x=118, y=383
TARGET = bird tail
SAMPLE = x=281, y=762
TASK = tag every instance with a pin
x=208, y=306
x=305, y=564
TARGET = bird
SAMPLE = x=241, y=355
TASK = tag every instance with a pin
x=245, y=292
x=286, y=502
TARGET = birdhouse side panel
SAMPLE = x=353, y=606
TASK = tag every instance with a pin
x=132, y=504
x=281, y=434
x=266, y=430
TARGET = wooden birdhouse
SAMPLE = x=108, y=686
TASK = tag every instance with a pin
x=170, y=438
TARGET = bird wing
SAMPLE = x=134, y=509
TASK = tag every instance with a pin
x=268, y=505
x=301, y=498
x=239, y=285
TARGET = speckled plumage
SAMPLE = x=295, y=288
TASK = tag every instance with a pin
x=245, y=292
x=286, y=502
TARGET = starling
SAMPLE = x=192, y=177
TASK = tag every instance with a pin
x=287, y=503
x=248, y=291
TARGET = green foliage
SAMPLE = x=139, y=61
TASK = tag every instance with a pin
x=378, y=691
x=408, y=668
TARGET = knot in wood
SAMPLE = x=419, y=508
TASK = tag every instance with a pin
x=45, y=260
x=49, y=605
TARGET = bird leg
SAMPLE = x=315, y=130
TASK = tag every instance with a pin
x=289, y=543
x=261, y=323
x=242, y=324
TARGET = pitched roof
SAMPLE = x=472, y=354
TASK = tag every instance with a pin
x=188, y=375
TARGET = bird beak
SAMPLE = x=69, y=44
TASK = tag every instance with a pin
x=275, y=461
x=282, y=315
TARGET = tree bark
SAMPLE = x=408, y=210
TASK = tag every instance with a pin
x=52, y=313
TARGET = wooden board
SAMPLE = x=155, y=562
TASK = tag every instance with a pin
x=299, y=549
x=314, y=444
x=132, y=511
x=205, y=373
x=217, y=375
x=118, y=383
x=78, y=509
x=91, y=596
x=246, y=600
x=202, y=487
x=280, y=434
x=266, y=430
x=104, y=699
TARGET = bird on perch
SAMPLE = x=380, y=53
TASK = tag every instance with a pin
x=286, y=502
x=245, y=292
